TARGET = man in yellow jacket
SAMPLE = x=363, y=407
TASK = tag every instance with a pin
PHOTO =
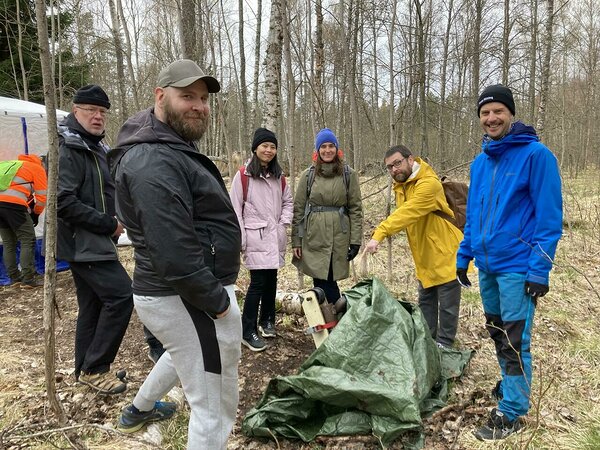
x=433, y=240
x=21, y=202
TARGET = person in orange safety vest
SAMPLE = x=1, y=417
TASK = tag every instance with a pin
x=23, y=200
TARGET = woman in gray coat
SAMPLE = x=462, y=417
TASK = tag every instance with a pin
x=327, y=224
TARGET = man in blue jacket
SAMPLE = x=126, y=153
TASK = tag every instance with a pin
x=514, y=222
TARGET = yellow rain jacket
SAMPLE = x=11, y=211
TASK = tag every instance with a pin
x=433, y=240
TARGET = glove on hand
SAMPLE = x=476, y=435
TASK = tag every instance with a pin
x=353, y=251
x=34, y=218
x=463, y=279
x=536, y=289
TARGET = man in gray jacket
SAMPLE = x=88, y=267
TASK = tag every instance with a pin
x=187, y=241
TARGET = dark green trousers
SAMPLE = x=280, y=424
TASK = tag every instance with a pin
x=25, y=234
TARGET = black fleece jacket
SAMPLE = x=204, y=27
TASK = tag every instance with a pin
x=178, y=215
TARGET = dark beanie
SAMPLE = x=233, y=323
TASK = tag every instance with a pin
x=497, y=93
x=263, y=135
x=92, y=94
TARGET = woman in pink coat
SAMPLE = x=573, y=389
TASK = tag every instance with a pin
x=264, y=207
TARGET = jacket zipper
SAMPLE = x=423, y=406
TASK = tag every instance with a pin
x=101, y=178
x=487, y=220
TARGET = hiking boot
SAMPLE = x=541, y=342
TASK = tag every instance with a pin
x=154, y=353
x=132, y=419
x=267, y=329
x=254, y=343
x=32, y=283
x=497, y=391
x=105, y=382
x=498, y=427
x=15, y=279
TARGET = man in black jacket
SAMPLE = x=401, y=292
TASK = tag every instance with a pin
x=86, y=236
x=187, y=243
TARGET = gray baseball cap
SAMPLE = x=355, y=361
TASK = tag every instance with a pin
x=182, y=73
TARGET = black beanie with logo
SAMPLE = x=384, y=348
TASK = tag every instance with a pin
x=497, y=93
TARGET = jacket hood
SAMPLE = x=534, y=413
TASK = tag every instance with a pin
x=145, y=128
x=31, y=158
x=519, y=134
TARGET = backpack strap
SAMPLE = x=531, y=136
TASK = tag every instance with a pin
x=244, y=180
x=308, y=208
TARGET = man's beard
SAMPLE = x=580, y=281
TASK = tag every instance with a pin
x=401, y=177
x=182, y=126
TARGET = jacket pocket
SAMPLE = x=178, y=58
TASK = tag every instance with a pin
x=93, y=247
x=255, y=234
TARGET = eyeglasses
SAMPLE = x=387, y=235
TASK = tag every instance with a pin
x=94, y=111
x=395, y=164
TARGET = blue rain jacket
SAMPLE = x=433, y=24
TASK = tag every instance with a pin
x=514, y=208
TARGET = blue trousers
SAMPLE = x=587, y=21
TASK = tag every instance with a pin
x=509, y=315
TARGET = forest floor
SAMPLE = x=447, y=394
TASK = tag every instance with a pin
x=565, y=411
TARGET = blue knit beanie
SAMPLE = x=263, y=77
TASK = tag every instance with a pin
x=323, y=136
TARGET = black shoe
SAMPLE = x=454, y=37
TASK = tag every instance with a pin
x=154, y=353
x=267, y=329
x=254, y=343
x=497, y=391
x=498, y=427
x=32, y=283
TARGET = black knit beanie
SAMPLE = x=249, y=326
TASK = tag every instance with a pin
x=497, y=93
x=92, y=94
x=263, y=135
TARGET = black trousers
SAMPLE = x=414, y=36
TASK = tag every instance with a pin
x=105, y=300
x=261, y=292
x=329, y=286
x=440, y=306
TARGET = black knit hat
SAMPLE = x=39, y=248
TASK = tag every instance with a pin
x=92, y=94
x=263, y=135
x=497, y=93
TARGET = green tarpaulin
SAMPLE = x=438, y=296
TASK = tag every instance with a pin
x=379, y=373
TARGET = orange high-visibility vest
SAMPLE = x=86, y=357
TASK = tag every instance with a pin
x=30, y=183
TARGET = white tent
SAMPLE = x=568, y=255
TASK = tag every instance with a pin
x=23, y=128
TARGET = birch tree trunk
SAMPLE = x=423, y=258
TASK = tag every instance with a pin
x=273, y=66
x=116, y=35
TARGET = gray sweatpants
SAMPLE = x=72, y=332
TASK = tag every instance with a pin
x=203, y=354
x=440, y=306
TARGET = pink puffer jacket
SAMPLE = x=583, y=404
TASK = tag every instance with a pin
x=263, y=218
